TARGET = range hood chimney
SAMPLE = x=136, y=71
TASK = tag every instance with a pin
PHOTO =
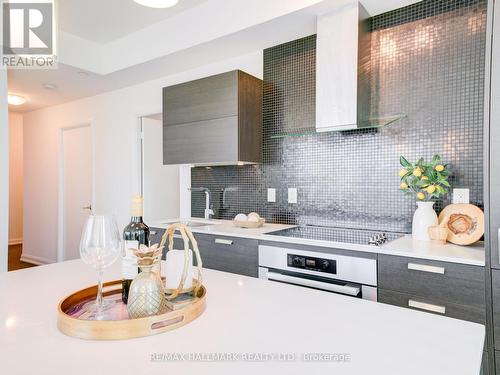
x=343, y=97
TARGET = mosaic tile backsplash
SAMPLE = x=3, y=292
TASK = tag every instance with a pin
x=427, y=61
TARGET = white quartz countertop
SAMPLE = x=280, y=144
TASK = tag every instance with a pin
x=404, y=246
x=223, y=227
x=245, y=317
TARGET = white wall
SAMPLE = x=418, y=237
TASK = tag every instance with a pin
x=115, y=117
x=15, y=178
x=4, y=171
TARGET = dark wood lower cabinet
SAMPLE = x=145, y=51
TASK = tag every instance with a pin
x=495, y=277
x=459, y=284
x=497, y=363
x=449, y=289
x=229, y=254
x=440, y=307
x=484, y=365
x=222, y=253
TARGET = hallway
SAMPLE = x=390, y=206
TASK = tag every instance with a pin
x=15, y=262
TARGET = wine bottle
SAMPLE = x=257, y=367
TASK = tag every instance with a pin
x=135, y=233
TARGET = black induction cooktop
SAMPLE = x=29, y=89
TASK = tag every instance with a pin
x=347, y=235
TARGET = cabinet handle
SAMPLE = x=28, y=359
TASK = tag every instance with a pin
x=424, y=268
x=222, y=241
x=343, y=289
x=427, y=306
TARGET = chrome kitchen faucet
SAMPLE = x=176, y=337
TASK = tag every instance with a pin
x=208, y=210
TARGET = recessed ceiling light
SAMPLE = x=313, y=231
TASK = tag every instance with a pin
x=157, y=3
x=49, y=86
x=16, y=99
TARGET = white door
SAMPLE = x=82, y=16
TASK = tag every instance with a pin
x=160, y=183
x=77, y=181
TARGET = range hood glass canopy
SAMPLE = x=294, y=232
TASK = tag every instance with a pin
x=374, y=123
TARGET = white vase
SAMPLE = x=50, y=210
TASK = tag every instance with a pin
x=424, y=217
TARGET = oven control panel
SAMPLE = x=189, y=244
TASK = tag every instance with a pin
x=312, y=264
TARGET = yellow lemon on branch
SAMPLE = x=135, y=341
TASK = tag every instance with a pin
x=439, y=168
x=421, y=196
x=403, y=186
x=431, y=189
x=403, y=172
x=417, y=172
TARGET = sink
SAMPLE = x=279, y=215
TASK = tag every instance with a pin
x=195, y=224
x=192, y=223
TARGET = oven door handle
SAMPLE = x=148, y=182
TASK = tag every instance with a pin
x=343, y=289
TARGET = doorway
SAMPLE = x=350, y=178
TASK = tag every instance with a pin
x=159, y=183
x=76, y=181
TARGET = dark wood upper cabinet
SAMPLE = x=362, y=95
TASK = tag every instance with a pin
x=215, y=120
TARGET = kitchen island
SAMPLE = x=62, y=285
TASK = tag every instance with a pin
x=250, y=326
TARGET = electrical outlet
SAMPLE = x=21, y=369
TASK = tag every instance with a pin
x=461, y=196
x=292, y=195
x=271, y=195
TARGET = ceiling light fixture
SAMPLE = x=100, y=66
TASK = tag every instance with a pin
x=16, y=99
x=49, y=86
x=157, y=3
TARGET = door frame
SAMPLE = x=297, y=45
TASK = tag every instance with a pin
x=184, y=170
x=60, y=213
x=4, y=171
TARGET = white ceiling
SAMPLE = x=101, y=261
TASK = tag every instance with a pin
x=192, y=34
x=102, y=21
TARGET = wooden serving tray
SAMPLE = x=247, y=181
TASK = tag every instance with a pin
x=74, y=318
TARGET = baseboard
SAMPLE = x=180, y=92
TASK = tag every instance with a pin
x=15, y=241
x=33, y=259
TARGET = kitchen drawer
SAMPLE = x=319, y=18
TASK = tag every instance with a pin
x=436, y=281
x=497, y=363
x=495, y=278
x=452, y=310
x=229, y=254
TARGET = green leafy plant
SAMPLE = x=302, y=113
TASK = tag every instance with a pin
x=426, y=181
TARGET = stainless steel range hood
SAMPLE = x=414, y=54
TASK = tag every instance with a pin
x=343, y=95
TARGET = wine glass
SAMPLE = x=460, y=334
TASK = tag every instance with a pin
x=100, y=247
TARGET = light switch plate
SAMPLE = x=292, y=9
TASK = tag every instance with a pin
x=271, y=195
x=292, y=195
x=461, y=196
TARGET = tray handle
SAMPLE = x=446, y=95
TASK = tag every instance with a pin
x=166, y=323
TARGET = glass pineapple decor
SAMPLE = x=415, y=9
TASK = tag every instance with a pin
x=147, y=294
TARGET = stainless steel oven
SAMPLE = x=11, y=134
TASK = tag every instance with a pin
x=349, y=275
